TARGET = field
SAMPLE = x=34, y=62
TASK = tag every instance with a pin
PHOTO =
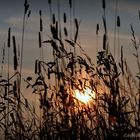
x=69, y=96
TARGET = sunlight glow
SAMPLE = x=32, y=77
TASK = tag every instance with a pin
x=86, y=96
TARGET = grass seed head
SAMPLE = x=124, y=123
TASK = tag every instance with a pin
x=39, y=37
x=15, y=53
x=97, y=29
x=103, y=4
x=65, y=18
x=9, y=37
x=118, y=21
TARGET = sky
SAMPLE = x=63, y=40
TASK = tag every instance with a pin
x=89, y=12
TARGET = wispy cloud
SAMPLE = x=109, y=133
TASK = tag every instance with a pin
x=32, y=23
x=127, y=6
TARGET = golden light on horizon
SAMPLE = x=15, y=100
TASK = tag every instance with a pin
x=86, y=96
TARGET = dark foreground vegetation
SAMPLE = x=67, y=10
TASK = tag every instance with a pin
x=59, y=115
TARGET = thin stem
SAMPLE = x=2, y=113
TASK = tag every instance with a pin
x=22, y=45
x=118, y=44
x=116, y=9
x=59, y=18
x=8, y=87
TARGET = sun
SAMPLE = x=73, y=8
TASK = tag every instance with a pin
x=86, y=96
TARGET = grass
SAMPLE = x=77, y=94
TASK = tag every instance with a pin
x=114, y=112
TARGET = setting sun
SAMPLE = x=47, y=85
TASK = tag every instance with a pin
x=86, y=96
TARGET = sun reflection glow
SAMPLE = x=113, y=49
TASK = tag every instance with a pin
x=86, y=96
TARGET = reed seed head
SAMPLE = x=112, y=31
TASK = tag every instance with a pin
x=53, y=18
x=9, y=37
x=70, y=3
x=41, y=26
x=15, y=53
x=103, y=4
x=14, y=45
x=49, y=1
x=65, y=31
x=36, y=66
x=39, y=37
x=104, y=41
x=40, y=13
x=118, y=21
x=97, y=29
x=26, y=6
x=104, y=23
x=65, y=18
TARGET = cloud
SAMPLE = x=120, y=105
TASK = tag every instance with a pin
x=127, y=6
x=14, y=21
x=32, y=23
